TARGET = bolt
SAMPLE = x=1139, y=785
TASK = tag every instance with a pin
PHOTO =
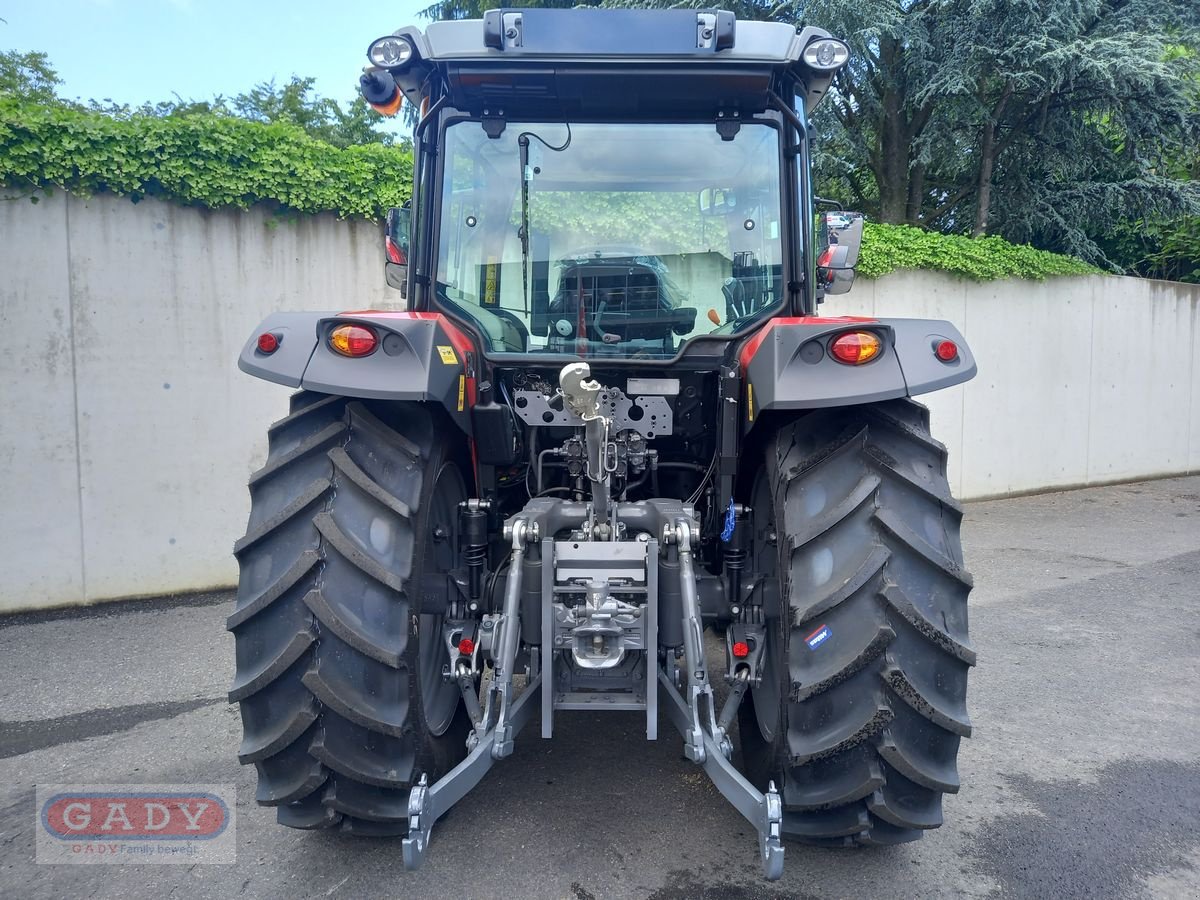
x=735, y=609
x=439, y=533
x=487, y=624
x=511, y=34
x=772, y=537
x=708, y=33
x=473, y=606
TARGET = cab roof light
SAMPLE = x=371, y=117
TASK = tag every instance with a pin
x=826, y=54
x=380, y=91
x=392, y=52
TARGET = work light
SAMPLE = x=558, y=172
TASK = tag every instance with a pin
x=826, y=54
x=390, y=52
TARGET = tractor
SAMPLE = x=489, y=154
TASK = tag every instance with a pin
x=606, y=454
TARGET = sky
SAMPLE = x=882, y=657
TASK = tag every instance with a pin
x=132, y=51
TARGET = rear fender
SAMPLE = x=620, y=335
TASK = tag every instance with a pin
x=421, y=357
x=787, y=364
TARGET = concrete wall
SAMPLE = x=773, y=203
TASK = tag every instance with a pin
x=1081, y=380
x=129, y=431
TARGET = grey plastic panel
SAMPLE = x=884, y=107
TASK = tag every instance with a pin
x=755, y=41
x=783, y=377
x=298, y=337
x=416, y=360
x=403, y=375
x=924, y=372
x=792, y=368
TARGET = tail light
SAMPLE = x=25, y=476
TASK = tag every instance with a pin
x=946, y=351
x=394, y=253
x=353, y=340
x=855, y=347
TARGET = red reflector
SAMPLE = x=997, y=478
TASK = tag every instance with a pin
x=855, y=347
x=394, y=253
x=466, y=646
x=353, y=340
x=946, y=351
x=741, y=649
x=267, y=342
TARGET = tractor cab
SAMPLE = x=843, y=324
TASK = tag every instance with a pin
x=609, y=185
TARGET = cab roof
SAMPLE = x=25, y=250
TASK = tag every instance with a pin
x=573, y=61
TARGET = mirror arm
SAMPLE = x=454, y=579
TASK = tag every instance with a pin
x=788, y=113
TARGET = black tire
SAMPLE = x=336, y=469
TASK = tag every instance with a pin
x=331, y=659
x=860, y=732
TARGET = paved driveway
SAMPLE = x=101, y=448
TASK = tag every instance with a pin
x=1082, y=780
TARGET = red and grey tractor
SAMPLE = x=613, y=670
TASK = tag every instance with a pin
x=606, y=416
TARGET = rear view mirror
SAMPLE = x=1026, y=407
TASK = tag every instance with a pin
x=839, y=238
x=395, y=242
x=845, y=238
x=717, y=202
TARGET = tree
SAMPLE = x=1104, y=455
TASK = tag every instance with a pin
x=321, y=117
x=1032, y=119
x=294, y=103
x=28, y=76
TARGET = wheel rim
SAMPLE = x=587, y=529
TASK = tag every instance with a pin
x=439, y=697
x=768, y=695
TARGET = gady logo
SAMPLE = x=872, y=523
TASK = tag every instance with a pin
x=144, y=817
x=135, y=823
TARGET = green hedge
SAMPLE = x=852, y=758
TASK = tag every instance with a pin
x=218, y=161
x=205, y=160
x=887, y=248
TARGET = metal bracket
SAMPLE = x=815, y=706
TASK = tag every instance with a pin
x=699, y=688
x=705, y=739
x=763, y=811
x=654, y=415
x=427, y=804
x=508, y=642
x=752, y=640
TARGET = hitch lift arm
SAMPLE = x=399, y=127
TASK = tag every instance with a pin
x=705, y=740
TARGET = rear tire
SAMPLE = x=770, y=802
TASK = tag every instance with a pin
x=338, y=679
x=860, y=727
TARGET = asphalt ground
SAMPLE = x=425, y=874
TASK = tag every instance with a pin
x=1082, y=778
